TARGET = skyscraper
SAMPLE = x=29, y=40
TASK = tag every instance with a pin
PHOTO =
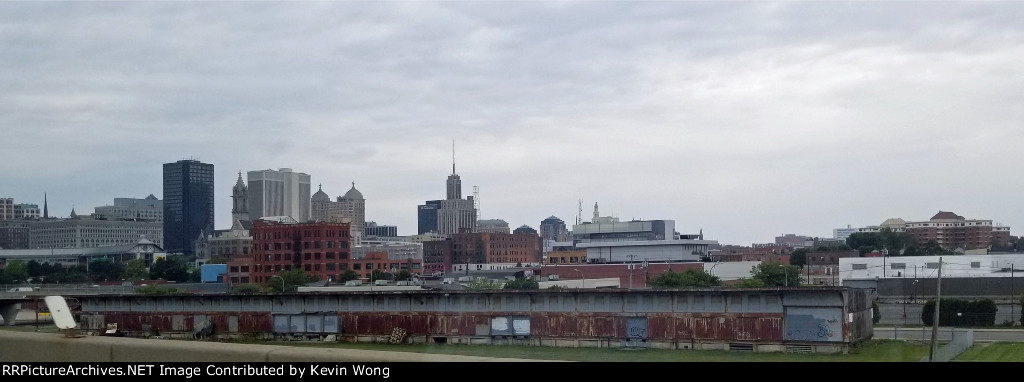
x=553, y=229
x=279, y=193
x=188, y=204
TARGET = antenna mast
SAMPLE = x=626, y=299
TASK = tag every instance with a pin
x=476, y=201
x=579, y=213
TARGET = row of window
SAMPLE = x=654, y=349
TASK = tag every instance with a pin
x=305, y=245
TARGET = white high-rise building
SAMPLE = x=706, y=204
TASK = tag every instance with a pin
x=279, y=193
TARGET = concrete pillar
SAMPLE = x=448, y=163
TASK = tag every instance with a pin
x=9, y=312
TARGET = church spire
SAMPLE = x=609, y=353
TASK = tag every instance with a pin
x=46, y=209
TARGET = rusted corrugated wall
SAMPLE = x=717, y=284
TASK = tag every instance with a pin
x=711, y=315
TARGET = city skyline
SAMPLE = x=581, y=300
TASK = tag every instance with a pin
x=743, y=120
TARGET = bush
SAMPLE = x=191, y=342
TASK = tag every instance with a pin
x=155, y=289
x=246, y=289
x=972, y=313
x=876, y=313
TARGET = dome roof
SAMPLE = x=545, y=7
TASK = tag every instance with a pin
x=353, y=193
x=321, y=196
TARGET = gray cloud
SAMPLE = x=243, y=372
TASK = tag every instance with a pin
x=746, y=120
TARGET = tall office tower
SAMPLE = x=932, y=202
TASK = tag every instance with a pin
x=553, y=229
x=279, y=193
x=188, y=204
x=456, y=215
x=239, y=200
x=427, y=216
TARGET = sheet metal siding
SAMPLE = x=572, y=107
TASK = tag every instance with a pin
x=732, y=315
x=813, y=298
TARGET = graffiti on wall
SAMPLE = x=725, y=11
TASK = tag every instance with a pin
x=814, y=324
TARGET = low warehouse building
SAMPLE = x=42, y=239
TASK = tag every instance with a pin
x=816, y=319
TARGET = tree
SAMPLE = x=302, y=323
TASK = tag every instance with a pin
x=484, y=284
x=876, y=312
x=289, y=280
x=689, y=278
x=798, y=257
x=932, y=248
x=865, y=249
x=103, y=270
x=403, y=275
x=135, y=270
x=522, y=284
x=246, y=289
x=861, y=239
x=348, y=275
x=775, y=274
x=170, y=268
x=913, y=250
x=15, y=272
x=378, y=274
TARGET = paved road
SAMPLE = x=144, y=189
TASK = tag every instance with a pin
x=925, y=333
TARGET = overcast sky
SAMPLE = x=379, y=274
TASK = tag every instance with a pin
x=745, y=119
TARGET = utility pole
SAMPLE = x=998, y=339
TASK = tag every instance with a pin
x=1011, y=293
x=935, y=315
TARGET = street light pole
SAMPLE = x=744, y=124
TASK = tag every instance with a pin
x=282, y=282
x=584, y=278
x=631, y=266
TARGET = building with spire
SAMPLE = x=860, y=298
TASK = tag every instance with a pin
x=454, y=214
x=239, y=200
x=349, y=208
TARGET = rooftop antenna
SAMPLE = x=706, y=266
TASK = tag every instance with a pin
x=579, y=213
x=453, y=156
x=476, y=201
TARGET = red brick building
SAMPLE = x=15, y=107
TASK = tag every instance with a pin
x=320, y=249
x=437, y=257
x=481, y=248
x=491, y=248
x=954, y=231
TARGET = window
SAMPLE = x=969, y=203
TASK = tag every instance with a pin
x=932, y=265
x=859, y=266
x=975, y=264
x=898, y=266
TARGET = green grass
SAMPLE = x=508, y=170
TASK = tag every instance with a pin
x=994, y=352
x=871, y=351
